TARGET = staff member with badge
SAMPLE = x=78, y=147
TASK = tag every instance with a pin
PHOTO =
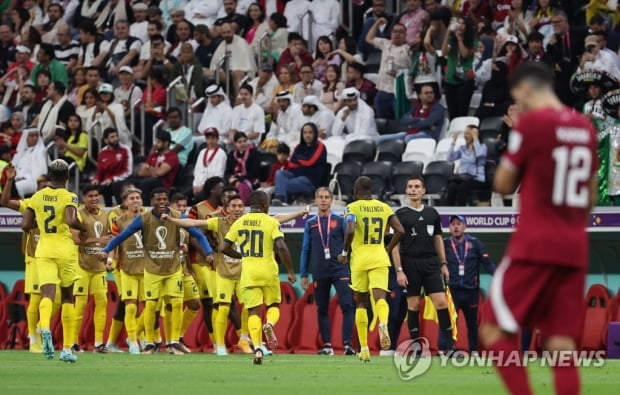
x=464, y=254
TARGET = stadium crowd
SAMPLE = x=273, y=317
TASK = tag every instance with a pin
x=246, y=76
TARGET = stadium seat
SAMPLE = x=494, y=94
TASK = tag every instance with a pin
x=420, y=149
x=303, y=336
x=266, y=159
x=287, y=311
x=359, y=150
x=442, y=167
x=185, y=178
x=190, y=337
x=381, y=125
x=401, y=173
x=3, y=291
x=202, y=338
x=346, y=173
x=394, y=126
x=391, y=150
x=16, y=304
x=335, y=149
x=492, y=153
x=489, y=127
x=441, y=151
x=378, y=172
x=436, y=175
x=444, y=128
x=459, y=124
x=373, y=77
x=596, y=318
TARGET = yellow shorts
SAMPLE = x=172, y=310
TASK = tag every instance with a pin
x=56, y=271
x=90, y=283
x=156, y=285
x=31, y=277
x=133, y=286
x=225, y=289
x=190, y=289
x=116, y=275
x=364, y=280
x=205, y=279
x=256, y=296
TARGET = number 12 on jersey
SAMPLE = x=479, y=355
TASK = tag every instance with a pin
x=571, y=185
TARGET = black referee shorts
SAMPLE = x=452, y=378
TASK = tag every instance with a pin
x=420, y=273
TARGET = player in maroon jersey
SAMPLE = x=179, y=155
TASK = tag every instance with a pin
x=552, y=154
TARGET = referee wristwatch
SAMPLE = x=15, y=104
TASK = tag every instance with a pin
x=399, y=269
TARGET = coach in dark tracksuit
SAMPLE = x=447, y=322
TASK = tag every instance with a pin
x=322, y=243
x=464, y=254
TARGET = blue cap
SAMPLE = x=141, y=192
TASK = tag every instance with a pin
x=459, y=217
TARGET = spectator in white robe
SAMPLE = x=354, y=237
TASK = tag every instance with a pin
x=356, y=120
x=211, y=161
x=284, y=127
x=30, y=161
x=218, y=114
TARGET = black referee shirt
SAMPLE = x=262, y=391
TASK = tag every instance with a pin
x=420, y=228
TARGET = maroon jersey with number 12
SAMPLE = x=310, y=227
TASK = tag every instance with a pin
x=554, y=151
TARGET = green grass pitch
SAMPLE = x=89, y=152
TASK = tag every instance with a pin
x=23, y=373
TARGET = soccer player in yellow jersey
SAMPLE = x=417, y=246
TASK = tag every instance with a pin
x=55, y=210
x=29, y=245
x=191, y=296
x=367, y=223
x=92, y=278
x=259, y=236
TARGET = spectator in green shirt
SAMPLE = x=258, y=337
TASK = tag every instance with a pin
x=46, y=61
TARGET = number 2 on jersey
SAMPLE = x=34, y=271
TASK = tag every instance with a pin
x=255, y=240
x=374, y=235
x=52, y=215
x=572, y=172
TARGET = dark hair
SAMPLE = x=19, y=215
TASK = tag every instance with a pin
x=257, y=199
x=278, y=19
x=59, y=87
x=157, y=37
x=363, y=186
x=248, y=88
x=306, y=65
x=62, y=11
x=93, y=68
x=318, y=54
x=57, y=174
x=417, y=177
x=44, y=72
x=261, y=18
x=158, y=76
x=34, y=38
x=283, y=148
x=597, y=20
x=294, y=36
x=234, y=197
x=211, y=183
x=357, y=66
x=88, y=26
x=48, y=49
x=157, y=24
x=157, y=191
x=350, y=44
x=539, y=74
x=76, y=137
x=24, y=16
x=91, y=91
x=173, y=110
x=468, y=38
x=239, y=135
x=338, y=71
x=164, y=136
x=229, y=188
x=89, y=188
x=108, y=131
x=178, y=196
x=315, y=131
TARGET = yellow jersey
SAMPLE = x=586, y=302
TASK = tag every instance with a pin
x=371, y=219
x=55, y=239
x=256, y=234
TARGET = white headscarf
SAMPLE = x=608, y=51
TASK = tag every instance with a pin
x=29, y=163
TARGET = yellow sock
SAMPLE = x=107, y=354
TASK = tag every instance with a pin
x=115, y=329
x=80, y=306
x=168, y=325
x=213, y=323
x=221, y=323
x=244, y=321
x=361, y=323
x=149, y=320
x=273, y=315
x=100, y=316
x=32, y=314
x=177, y=318
x=131, y=309
x=188, y=318
x=383, y=310
x=45, y=313
x=256, y=330
x=68, y=320
x=140, y=325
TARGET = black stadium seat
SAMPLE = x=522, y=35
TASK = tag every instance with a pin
x=361, y=151
x=346, y=173
x=391, y=150
x=489, y=127
x=378, y=172
x=266, y=159
x=401, y=173
x=442, y=167
x=381, y=125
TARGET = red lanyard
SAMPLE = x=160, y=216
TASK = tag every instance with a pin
x=326, y=242
x=460, y=260
x=206, y=161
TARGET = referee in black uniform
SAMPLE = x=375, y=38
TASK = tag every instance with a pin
x=420, y=261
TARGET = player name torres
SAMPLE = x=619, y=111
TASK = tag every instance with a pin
x=50, y=198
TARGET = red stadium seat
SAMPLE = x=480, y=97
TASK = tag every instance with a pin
x=190, y=337
x=303, y=336
x=596, y=318
x=287, y=312
x=16, y=305
x=3, y=291
x=113, y=300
